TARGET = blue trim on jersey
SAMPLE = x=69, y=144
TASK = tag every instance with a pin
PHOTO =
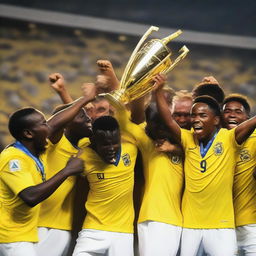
x=118, y=156
x=39, y=164
x=204, y=150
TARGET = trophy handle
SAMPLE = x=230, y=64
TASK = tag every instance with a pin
x=144, y=37
x=184, y=51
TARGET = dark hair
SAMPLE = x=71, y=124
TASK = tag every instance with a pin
x=19, y=121
x=211, y=102
x=151, y=112
x=105, y=123
x=239, y=98
x=210, y=89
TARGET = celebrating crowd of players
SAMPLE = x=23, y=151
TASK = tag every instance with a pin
x=198, y=155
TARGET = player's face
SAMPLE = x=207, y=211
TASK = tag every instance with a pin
x=181, y=113
x=100, y=108
x=81, y=125
x=107, y=145
x=39, y=130
x=204, y=121
x=233, y=114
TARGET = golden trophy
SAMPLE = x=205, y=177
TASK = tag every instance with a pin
x=145, y=62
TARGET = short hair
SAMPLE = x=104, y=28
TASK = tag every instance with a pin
x=105, y=123
x=151, y=113
x=182, y=95
x=239, y=98
x=211, y=102
x=19, y=121
x=211, y=89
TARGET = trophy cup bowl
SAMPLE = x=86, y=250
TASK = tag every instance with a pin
x=145, y=62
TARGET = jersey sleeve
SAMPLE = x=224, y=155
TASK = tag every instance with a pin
x=16, y=175
x=136, y=132
x=186, y=137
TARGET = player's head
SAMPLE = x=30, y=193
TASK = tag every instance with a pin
x=212, y=89
x=29, y=124
x=106, y=139
x=236, y=109
x=80, y=126
x=155, y=127
x=181, y=107
x=205, y=117
x=100, y=107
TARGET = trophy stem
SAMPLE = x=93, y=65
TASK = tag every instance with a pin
x=144, y=37
x=167, y=39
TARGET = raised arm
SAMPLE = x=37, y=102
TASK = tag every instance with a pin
x=58, y=121
x=107, y=80
x=244, y=130
x=58, y=84
x=165, y=112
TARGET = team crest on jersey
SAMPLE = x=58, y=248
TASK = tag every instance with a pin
x=218, y=149
x=245, y=155
x=176, y=159
x=126, y=159
x=14, y=165
x=100, y=176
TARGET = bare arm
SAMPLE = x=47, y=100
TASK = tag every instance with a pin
x=244, y=130
x=165, y=113
x=107, y=80
x=58, y=85
x=168, y=147
x=58, y=121
x=35, y=194
x=137, y=108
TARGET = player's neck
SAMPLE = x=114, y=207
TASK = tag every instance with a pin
x=73, y=139
x=30, y=146
x=209, y=137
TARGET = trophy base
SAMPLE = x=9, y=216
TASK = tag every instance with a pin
x=114, y=99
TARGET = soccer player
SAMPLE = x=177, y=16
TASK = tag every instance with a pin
x=160, y=218
x=56, y=212
x=210, y=157
x=23, y=176
x=180, y=108
x=108, y=225
x=236, y=110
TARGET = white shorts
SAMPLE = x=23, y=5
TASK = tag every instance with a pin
x=54, y=242
x=91, y=242
x=17, y=249
x=157, y=238
x=217, y=242
x=246, y=239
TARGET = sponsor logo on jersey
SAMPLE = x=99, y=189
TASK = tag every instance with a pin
x=176, y=159
x=14, y=165
x=126, y=159
x=218, y=149
x=245, y=155
x=100, y=176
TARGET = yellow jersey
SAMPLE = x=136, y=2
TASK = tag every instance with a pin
x=245, y=184
x=163, y=175
x=18, y=221
x=207, y=201
x=109, y=203
x=57, y=210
